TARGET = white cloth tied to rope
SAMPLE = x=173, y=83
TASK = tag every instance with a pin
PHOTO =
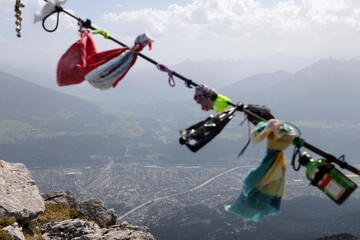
x=104, y=76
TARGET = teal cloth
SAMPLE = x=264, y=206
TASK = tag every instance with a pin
x=252, y=204
x=256, y=174
x=261, y=125
x=255, y=206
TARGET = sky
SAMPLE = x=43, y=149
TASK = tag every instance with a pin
x=190, y=29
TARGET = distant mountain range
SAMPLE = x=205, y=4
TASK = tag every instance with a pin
x=324, y=91
x=150, y=85
x=321, y=99
x=327, y=91
x=22, y=100
x=43, y=127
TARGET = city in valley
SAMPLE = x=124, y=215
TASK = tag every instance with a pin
x=136, y=188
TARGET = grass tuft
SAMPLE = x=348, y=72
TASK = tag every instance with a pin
x=57, y=212
x=5, y=236
x=6, y=221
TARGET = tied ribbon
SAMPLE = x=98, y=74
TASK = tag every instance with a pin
x=169, y=71
x=104, y=33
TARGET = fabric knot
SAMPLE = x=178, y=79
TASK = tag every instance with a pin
x=170, y=73
x=144, y=40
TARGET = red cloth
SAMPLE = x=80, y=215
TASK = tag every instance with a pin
x=81, y=58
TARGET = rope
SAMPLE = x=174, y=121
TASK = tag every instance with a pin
x=296, y=152
x=87, y=24
x=249, y=137
x=57, y=11
x=189, y=83
x=169, y=71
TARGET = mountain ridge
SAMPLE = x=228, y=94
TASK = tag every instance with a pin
x=324, y=91
x=28, y=100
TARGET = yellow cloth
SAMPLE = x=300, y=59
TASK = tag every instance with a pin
x=273, y=182
x=221, y=103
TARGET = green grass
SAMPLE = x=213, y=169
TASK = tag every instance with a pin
x=5, y=236
x=6, y=221
x=57, y=212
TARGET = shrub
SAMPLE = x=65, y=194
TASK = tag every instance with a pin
x=5, y=236
x=6, y=221
x=35, y=237
x=57, y=212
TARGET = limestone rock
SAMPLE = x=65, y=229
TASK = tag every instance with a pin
x=19, y=196
x=66, y=198
x=69, y=229
x=14, y=231
x=123, y=231
x=96, y=210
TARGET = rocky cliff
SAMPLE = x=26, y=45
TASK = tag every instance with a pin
x=26, y=214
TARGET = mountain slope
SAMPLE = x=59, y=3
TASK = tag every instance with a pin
x=254, y=83
x=150, y=85
x=21, y=100
x=327, y=91
x=42, y=127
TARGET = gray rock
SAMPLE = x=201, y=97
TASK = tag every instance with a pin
x=66, y=198
x=14, y=231
x=96, y=210
x=19, y=196
x=123, y=231
x=69, y=229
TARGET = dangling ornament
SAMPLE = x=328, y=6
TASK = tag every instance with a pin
x=18, y=5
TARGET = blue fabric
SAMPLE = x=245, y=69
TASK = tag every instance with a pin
x=255, y=206
x=252, y=204
x=256, y=174
x=260, y=126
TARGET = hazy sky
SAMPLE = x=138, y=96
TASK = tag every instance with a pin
x=194, y=29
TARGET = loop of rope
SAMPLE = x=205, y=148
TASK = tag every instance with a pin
x=169, y=71
x=296, y=152
x=298, y=143
x=57, y=11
